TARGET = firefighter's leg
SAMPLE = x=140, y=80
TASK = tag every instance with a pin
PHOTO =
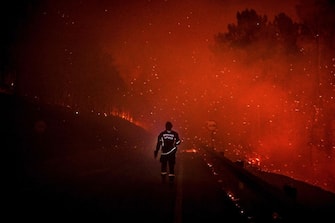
x=171, y=168
x=163, y=166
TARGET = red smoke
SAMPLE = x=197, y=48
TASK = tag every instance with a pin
x=163, y=51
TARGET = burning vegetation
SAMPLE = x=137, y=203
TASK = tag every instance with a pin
x=269, y=84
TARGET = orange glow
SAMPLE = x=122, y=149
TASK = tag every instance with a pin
x=159, y=62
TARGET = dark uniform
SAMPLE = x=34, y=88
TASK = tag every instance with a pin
x=167, y=141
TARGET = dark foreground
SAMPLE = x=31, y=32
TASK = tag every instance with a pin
x=61, y=167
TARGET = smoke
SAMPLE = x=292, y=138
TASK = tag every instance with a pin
x=156, y=60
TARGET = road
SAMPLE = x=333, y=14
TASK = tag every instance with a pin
x=60, y=167
x=120, y=187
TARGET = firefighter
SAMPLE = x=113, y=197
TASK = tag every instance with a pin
x=167, y=141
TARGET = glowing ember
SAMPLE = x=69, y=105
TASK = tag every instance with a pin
x=265, y=78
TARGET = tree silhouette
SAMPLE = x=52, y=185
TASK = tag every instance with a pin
x=259, y=37
x=249, y=29
x=286, y=32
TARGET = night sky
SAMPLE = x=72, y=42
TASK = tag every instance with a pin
x=156, y=60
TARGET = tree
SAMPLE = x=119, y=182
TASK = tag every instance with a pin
x=249, y=29
x=286, y=32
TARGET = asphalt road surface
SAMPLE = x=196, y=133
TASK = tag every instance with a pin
x=119, y=187
x=61, y=167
